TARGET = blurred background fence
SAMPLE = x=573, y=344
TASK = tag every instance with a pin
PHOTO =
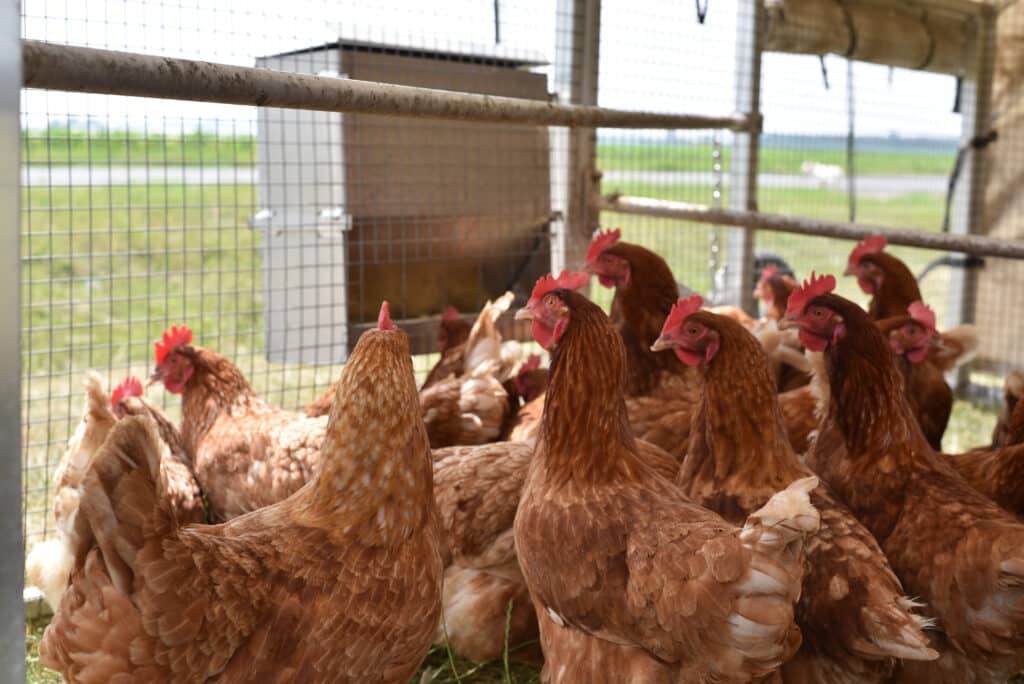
x=274, y=233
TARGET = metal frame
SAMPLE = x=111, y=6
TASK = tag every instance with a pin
x=110, y=72
x=967, y=213
x=574, y=176
x=12, y=561
x=739, y=249
x=750, y=221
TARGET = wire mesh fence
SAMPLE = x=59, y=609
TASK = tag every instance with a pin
x=274, y=234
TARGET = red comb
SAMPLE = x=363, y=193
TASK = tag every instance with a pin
x=923, y=314
x=568, y=280
x=177, y=336
x=384, y=321
x=815, y=287
x=681, y=310
x=450, y=313
x=602, y=241
x=131, y=387
x=872, y=244
x=532, y=363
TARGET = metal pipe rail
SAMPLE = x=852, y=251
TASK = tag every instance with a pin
x=754, y=220
x=109, y=72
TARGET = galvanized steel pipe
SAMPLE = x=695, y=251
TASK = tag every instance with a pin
x=109, y=72
x=978, y=245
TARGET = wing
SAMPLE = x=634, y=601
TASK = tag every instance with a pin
x=255, y=459
x=664, y=422
x=477, y=491
x=852, y=604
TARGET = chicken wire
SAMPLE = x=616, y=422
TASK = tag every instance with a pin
x=138, y=214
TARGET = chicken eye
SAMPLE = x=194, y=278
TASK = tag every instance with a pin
x=693, y=330
x=551, y=301
x=817, y=313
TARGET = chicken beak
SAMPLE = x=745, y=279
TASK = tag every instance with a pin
x=850, y=270
x=524, y=314
x=661, y=344
x=155, y=376
x=787, y=323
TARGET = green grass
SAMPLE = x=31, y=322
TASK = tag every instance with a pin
x=697, y=157
x=63, y=145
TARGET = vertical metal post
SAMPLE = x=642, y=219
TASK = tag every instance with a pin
x=573, y=151
x=739, y=249
x=12, y=561
x=967, y=214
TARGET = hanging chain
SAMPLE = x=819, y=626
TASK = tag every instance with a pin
x=715, y=252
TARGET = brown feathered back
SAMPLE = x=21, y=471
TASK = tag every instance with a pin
x=898, y=289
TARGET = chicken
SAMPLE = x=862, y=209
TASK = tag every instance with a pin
x=531, y=380
x=477, y=490
x=1009, y=428
x=656, y=589
x=50, y=561
x=451, y=338
x=949, y=545
x=887, y=279
x=246, y=454
x=774, y=289
x=788, y=364
x=180, y=486
x=340, y=582
x=49, y=564
x=661, y=392
x=853, y=614
x=931, y=399
x=473, y=407
x=451, y=342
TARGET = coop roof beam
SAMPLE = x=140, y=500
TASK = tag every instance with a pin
x=932, y=36
x=109, y=72
x=753, y=220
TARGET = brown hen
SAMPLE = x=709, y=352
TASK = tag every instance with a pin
x=660, y=390
x=853, y=614
x=338, y=583
x=1009, y=428
x=630, y=580
x=949, y=545
x=893, y=288
x=50, y=562
x=246, y=454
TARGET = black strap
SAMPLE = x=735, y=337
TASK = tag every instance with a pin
x=824, y=70
x=978, y=142
x=702, y=10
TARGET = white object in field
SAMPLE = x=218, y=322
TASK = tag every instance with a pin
x=827, y=175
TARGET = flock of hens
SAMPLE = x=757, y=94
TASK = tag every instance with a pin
x=684, y=495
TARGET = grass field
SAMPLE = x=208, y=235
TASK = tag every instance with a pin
x=62, y=145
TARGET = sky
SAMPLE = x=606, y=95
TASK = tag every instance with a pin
x=653, y=56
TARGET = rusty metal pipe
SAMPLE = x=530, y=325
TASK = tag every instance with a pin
x=754, y=220
x=109, y=72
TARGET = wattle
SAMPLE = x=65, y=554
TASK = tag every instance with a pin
x=813, y=342
x=918, y=354
x=543, y=334
x=688, y=357
x=867, y=286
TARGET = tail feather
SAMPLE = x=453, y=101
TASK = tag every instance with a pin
x=120, y=500
x=786, y=518
x=484, y=341
x=48, y=567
